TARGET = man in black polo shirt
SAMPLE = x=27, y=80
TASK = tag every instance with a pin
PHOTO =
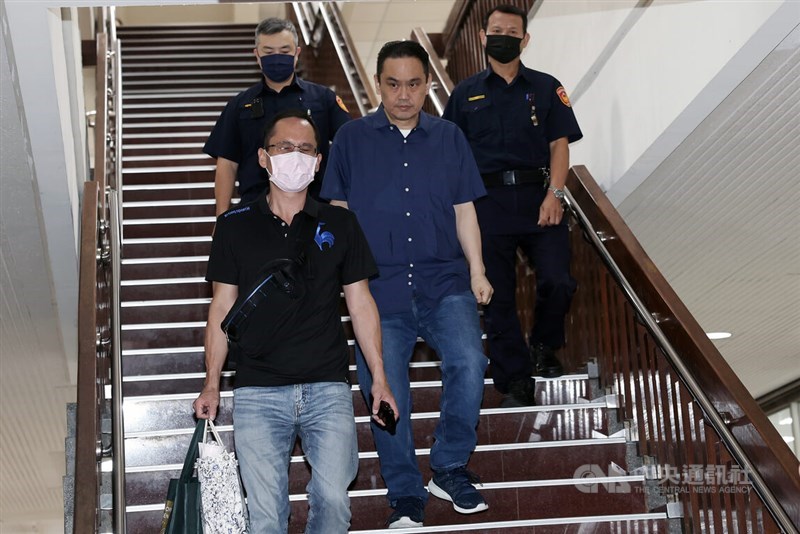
x=298, y=386
x=237, y=135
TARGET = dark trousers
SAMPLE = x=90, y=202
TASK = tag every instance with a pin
x=547, y=250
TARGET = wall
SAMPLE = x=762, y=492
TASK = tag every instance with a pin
x=632, y=71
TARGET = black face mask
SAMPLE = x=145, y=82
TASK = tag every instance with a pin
x=503, y=48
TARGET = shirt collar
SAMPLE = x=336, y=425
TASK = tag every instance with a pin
x=296, y=85
x=311, y=207
x=379, y=119
x=524, y=72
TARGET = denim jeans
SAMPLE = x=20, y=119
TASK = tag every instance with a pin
x=266, y=422
x=452, y=329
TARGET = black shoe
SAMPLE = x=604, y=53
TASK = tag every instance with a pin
x=544, y=361
x=521, y=393
x=457, y=487
x=408, y=512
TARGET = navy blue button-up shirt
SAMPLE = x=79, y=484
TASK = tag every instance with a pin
x=403, y=189
x=510, y=126
x=239, y=131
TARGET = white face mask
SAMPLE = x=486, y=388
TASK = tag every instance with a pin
x=292, y=172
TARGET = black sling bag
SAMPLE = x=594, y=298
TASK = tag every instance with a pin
x=263, y=315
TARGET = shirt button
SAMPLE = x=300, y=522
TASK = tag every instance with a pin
x=409, y=240
x=409, y=283
x=283, y=224
x=405, y=141
x=391, y=127
x=411, y=265
x=408, y=214
x=406, y=190
x=405, y=164
x=410, y=275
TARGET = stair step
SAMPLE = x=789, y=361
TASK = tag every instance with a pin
x=174, y=269
x=510, y=511
x=551, y=463
x=173, y=208
x=556, y=421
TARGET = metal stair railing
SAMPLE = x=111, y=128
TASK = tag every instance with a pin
x=99, y=348
x=704, y=438
x=309, y=15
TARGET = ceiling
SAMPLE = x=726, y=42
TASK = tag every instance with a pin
x=718, y=214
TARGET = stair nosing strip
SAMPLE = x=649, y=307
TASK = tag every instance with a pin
x=181, y=95
x=250, y=71
x=128, y=125
x=516, y=523
x=169, y=203
x=165, y=350
x=232, y=81
x=167, y=302
x=168, y=169
x=162, y=281
x=160, y=187
x=165, y=240
x=168, y=220
x=133, y=117
x=161, y=146
x=188, y=47
x=176, y=259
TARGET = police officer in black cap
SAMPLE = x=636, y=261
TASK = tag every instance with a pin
x=237, y=136
x=519, y=123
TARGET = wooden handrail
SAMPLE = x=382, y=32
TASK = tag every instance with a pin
x=753, y=432
x=87, y=445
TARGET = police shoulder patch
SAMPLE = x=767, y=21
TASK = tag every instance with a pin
x=562, y=94
x=341, y=104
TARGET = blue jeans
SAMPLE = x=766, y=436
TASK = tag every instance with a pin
x=452, y=329
x=266, y=422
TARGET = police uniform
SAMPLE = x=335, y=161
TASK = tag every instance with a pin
x=239, y=131
x=510, y=127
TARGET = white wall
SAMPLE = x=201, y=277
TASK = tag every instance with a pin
x=632, y=72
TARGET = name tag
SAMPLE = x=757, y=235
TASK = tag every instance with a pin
x=476, y=97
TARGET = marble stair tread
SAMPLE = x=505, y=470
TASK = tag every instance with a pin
x=553, y=464
x=164, y=268
x=175, y=208
x=526, y=505
x=195, y=287
x=163, y=228
x=166, y=190
x=155, y=431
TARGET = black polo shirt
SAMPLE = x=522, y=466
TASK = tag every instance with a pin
x=249, y=236
x=239, y=131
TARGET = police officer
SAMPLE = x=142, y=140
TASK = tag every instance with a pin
x=237, y=135
x=519, y=123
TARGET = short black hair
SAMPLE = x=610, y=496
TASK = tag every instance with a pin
x=509, y=10
x=398, y=49
x=269, y=127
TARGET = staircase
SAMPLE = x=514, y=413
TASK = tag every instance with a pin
x=532, y=461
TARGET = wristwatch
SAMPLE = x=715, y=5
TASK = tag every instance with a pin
x=558, y=193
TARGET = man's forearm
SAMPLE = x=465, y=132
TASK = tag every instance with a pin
x=224, y=184
x=216, y=346
x=366, y=326
x=559, y=162
x=469, y=236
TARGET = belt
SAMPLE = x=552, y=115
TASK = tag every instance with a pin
x=516, y=177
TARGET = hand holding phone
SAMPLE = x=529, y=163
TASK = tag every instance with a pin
x=386, y=415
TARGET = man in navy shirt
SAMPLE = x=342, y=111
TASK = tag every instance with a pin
x=411, y=179
x=519, y=123
x=237, y=136
x=296, y=383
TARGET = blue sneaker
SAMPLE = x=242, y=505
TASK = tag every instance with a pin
x=408, y=512
x=456, y=486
